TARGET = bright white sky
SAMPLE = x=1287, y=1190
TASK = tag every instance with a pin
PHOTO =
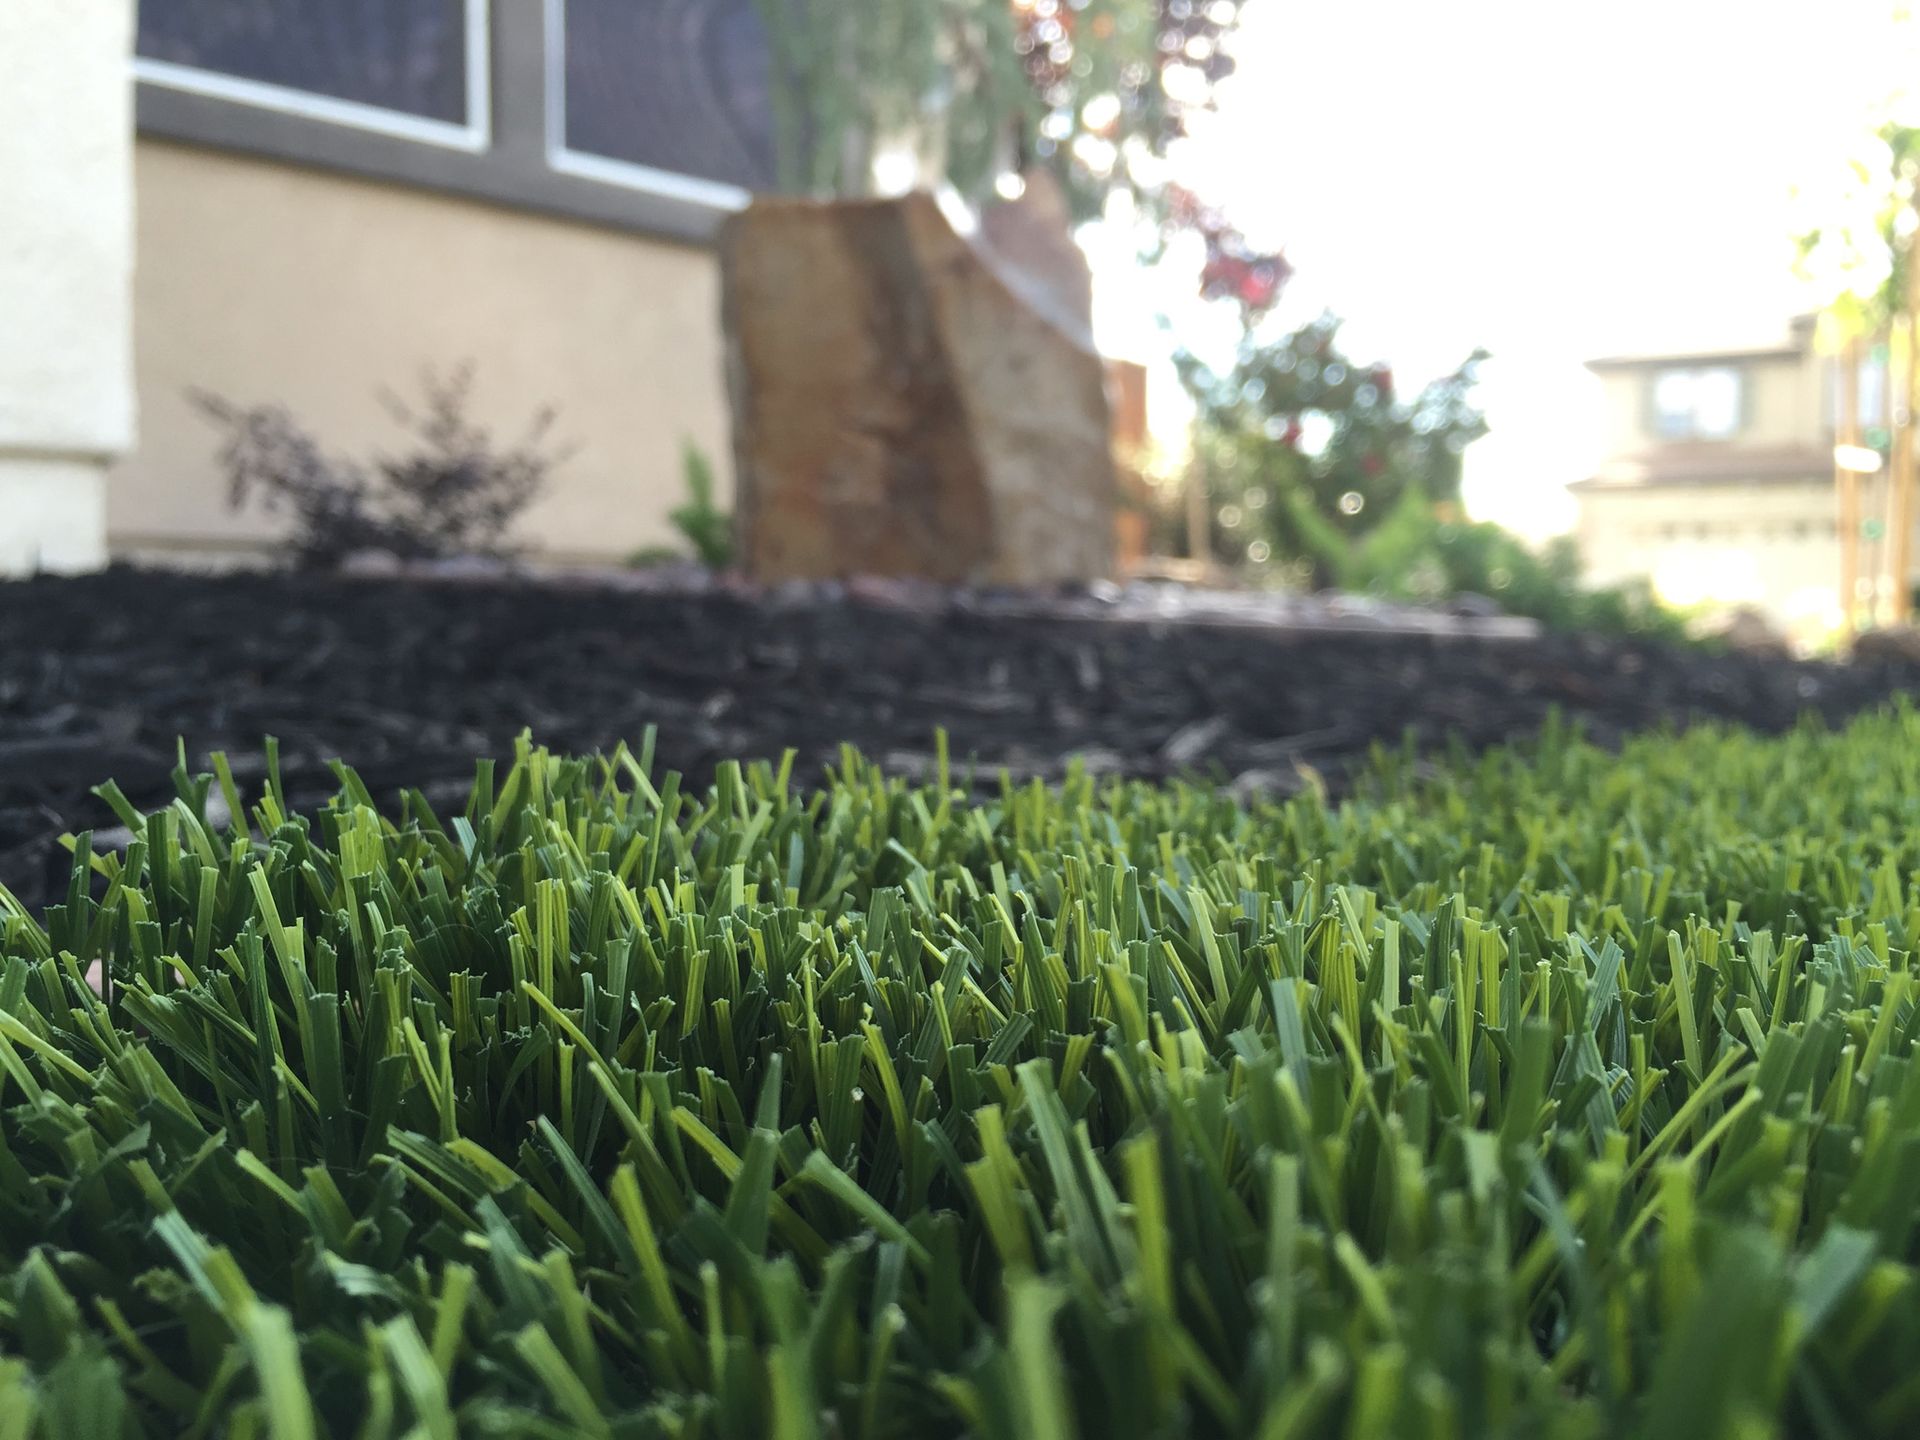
x=1549, y=181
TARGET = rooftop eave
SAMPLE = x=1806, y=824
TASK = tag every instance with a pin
x=1712, y=464
x=1799, y=342
x=1611, y=364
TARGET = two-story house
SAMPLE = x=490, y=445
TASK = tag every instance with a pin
x=1718, y=486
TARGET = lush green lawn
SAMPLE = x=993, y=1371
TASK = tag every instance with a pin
x=1568, y=1094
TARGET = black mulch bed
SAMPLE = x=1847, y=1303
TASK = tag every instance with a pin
x=410, y=680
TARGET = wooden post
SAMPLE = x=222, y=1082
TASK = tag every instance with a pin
x=1875, y=561
x=1900, y=478
x=1199, y=531
x=1127, y=400
x=1846, y=431
x=1889, y=610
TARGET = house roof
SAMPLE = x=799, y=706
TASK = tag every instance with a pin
x=1606, y=363
x=1707, y=463
x=1800, y=337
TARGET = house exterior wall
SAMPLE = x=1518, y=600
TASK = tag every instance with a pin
x=1782, y=404
x=66, y=258
x=264, y=282
x=1772, y=546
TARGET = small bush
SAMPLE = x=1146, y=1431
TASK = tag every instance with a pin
x=1419, y=553
x=1566, y=1094
x=455, y=493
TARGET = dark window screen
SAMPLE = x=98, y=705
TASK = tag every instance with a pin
x=677, y=85
x=408, y=56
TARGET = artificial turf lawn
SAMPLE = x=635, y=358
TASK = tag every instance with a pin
x=1556, y=1093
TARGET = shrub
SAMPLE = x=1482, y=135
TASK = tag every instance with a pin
x=1566, y=1094
x=1417, y=553
x=1306, y=451
x=454, y=494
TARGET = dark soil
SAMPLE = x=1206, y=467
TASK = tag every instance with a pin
x=411, y=680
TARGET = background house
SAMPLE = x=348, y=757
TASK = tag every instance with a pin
x=1718, y=486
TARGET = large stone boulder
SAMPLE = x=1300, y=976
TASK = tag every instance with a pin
x=901, y=409
x=1029, y=241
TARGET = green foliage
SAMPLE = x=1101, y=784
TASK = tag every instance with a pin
x=1859, y=253
x=847, y=72
x=706, y=527
x=1305, y=450
x=1368, y=507
x=1562, y=1095
x=981, y=87
x=1417, y=554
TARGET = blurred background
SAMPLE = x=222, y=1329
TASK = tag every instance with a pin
x=1600, y=318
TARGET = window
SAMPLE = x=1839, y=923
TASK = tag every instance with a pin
x=416, y=68
x=1872, y=390
x=667, y=95
x=1696, y=404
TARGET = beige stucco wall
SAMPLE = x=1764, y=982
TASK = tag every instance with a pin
x=1774, y=546
x=66, y=237
x=264, y=282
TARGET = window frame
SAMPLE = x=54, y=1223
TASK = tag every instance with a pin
x=628, y=174
x=474, y=135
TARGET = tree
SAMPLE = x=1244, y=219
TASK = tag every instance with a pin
x=1091, y=89
x=1857, y=254
x=1305, y=450
x=1864, y=256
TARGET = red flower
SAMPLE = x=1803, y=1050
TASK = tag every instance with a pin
x=1383, y=381
x=1221, y=277
x=1372, y=464
x=1233, y=272
x=1290, y=437
x=1259, y=287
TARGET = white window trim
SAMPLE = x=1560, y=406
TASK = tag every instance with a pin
x=715, y=194
x=474, y=136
